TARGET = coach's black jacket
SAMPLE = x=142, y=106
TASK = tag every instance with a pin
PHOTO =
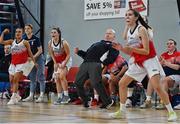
x=97, y=50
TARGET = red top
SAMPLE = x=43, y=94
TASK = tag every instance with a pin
x=139, y=59
x=19, y=53
x=117, y=65
x=60, y=57
x=173, y=58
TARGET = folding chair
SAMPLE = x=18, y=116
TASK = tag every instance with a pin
x=71, y=76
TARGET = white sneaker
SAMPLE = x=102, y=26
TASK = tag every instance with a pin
x=12, y=101
x=172, y=116
x=40, y=99
x=28, y=99
x=177, y=107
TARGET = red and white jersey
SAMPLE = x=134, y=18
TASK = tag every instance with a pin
x=117, y=65
x=135, y=41
x=59, y=52
x=173, y=58
x=19, y=53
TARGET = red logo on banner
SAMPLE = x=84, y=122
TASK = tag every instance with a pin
x=138, y=5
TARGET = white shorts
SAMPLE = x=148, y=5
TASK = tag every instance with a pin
x=175, y=78
x=25, y=68
x=150, y=67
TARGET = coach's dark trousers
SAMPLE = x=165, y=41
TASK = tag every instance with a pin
x=92, y=71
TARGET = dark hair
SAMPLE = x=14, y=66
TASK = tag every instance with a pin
x=20, y=28
x=59, y=32
x=175, y=43
x=140, y=19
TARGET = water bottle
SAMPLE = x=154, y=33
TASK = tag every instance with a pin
x=52, y=97
x=49, y=97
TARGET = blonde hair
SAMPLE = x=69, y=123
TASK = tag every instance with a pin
x=30, y=25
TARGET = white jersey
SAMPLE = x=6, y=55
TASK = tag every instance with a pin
x=57, y=49
x=19, y=52
x=150, y=33
x=59, y=52
x=17, y=48
x=133, y=36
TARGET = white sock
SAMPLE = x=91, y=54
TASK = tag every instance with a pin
x=148, y=98
x=42, y=94
x=169, y=107
x=60, y=95
x=66, y=93
x=96, y=97
x=31, y=94
x=122, y=107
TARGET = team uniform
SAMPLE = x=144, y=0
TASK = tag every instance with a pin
x=19, y=62
x=116, y=66
x=60, y=54
x=141, y=65
x=174, y=59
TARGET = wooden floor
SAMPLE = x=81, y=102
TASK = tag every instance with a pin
x=49, y=113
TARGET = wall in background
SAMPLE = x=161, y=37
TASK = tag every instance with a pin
x=68, y=15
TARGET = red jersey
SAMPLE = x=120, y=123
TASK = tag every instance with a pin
x=19, y=53
x=139, y=59
x=117, y=65
x=173, y=58
x=59, y=52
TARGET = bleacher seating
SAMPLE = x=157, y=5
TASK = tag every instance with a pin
x=8, y=17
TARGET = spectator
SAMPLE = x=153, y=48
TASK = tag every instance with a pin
x=37, y=74
x=5, y=63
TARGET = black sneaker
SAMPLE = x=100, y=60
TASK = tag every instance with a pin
x=103, y=106
x=87, y=104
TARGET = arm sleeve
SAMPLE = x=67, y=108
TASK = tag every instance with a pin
x=111, y=57
x=81, y=53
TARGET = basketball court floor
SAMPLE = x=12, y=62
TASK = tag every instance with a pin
x=49, y=113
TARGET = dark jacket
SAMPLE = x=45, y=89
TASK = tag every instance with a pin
x=97, y=50
x=5, y=63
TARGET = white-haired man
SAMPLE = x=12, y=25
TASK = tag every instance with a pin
x=97, y=55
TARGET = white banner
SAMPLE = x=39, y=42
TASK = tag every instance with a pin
x=101, y=9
